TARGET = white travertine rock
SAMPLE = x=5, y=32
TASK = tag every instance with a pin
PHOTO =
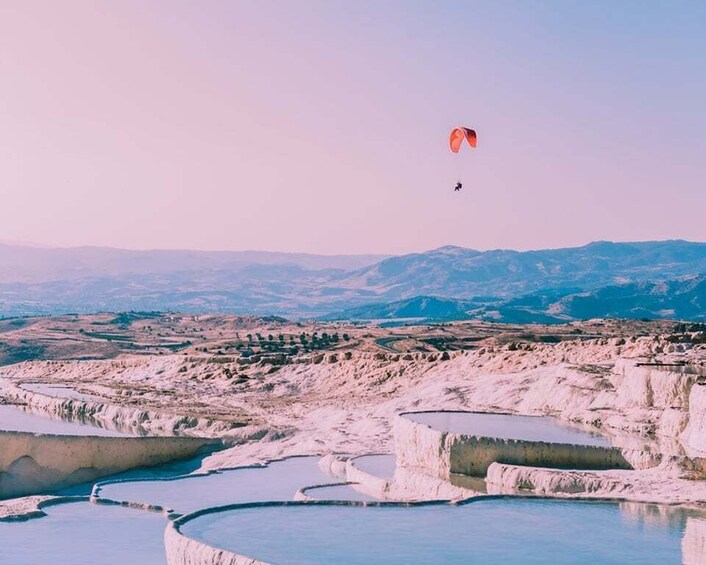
x=34, y=463
x=182, y=550
x=333, y=466
x=694, y=435
x=412, y=484
x=654, y=485
x=21, y=509
x=367, y=483
x=647, y=387
x=348, y=407
x=509, y=479
x=673, y=422
x=693, y=544
x=440, y=454
x=406, y=485
x=421, y=447
x=112, y=416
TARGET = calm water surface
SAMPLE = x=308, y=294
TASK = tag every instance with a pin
x=508, y=426
x=382, y=466
x=339, y=492
x=81, y=532
x=498, y=531
x=278, y=481
x=21, y=419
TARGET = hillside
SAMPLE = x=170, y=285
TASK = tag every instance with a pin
x=683, y=299
x=465, y=273
x=24, y=263
x=38, y=281
x=417, y=308
x=677, y=299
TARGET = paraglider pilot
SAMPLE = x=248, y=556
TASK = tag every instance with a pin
x=456, y=139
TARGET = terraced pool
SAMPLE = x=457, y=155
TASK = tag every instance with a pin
x=278, y=481
x=508, y=426
x=23, y=419
x=489, y=531
x=81, y=532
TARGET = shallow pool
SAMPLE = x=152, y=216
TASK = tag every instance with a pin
x=339, y=492
x=164, y=471
x=492, y=531
x=98, y=533
x=278, y=481
x=382, y=466
x=22, y=419
x=508, y=426
x=81, y=532
x=59, y=391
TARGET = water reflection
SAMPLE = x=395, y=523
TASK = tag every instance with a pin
x=22, y=418
x=488, y=531
x=690, y=521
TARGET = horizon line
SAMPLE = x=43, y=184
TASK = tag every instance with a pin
x=42, y=246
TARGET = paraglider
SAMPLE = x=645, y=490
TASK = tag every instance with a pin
x=458, y=135
x=456, y=139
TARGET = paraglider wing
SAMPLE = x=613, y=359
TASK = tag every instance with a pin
x=458, y=135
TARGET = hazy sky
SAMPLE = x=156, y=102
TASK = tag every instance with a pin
x=322, y=126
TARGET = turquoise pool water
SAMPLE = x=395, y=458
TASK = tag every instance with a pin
x=382, y=466
x=164, y=471
x=508, y=426
x=278, y=481
x=493, y=531
x=21, y=419
x=339, y=492
x=81, y=532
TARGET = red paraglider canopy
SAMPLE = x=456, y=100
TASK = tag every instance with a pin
x=458, y=135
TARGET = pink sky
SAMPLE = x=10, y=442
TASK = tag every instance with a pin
x=321, y=126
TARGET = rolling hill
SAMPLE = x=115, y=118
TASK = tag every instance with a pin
x=443, y=283
x=683, y=299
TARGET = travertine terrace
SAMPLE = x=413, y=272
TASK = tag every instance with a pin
x=638, y=383
x=340, y=396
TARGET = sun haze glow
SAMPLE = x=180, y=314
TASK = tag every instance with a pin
x=322, y=126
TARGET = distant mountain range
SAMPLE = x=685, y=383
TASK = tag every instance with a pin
x=417, y=308
x=31, y=263
x=465, y=273
x=645, y=279
x=683, y=299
